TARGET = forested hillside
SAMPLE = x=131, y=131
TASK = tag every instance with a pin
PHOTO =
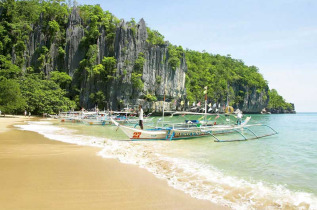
x=55, y=56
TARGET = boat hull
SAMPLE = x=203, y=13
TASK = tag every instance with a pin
x=138, y=134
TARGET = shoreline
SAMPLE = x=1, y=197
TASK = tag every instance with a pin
x=43, y=174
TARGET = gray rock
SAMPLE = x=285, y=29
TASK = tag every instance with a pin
x=158, y=76
x=74, y=34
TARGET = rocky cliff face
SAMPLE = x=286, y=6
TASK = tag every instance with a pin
x=158, y=76
x=254, y=101
x=127, y=48
x=281, y=110
x=74, y=34
x=128, y=43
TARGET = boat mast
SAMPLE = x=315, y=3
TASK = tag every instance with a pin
x=164, y=100
x=205, y=91
x=227, y=94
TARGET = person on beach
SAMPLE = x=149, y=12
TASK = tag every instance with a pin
x=0, y=112
x=141, y=116
x=239, y=118
x=25, y=113
x=29, y=114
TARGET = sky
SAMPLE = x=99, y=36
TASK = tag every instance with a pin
x=277, y=36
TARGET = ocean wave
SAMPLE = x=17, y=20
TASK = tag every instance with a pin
x=199, y=180
x=66, y=135
x=206, y=182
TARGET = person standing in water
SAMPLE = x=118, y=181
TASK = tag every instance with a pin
x=141, y=116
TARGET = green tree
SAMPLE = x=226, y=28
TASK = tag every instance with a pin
x=44, y=96
x=136, y=75
x=98, y=98
x=154, y=37
x=175, y=54
x=139, y=63
x=53, y=27
x=226, y=78
x=11, y=99
x=137, y=81
x=9, y=70
x=278, y=102
x=61, y=78
x=110, y=66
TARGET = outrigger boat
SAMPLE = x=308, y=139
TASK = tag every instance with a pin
x=100, y=117
x=138, y=134
x=127, y=117
x=195, y=129
x=167, y=133
x=71, y=116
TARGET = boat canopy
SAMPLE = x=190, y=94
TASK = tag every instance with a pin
x=192, y=113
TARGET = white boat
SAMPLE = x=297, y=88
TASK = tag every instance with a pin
x=126, y=117
x=186, y=132
x=72, y=116
x=138, y=134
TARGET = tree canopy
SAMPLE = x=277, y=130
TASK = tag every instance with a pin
x=225, y=77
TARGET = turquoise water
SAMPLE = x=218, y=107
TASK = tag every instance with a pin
x=289, y=158
x=275, y=172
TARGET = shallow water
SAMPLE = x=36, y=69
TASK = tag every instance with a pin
x=278, y=171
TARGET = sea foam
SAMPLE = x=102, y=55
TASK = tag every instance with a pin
x=199, y=180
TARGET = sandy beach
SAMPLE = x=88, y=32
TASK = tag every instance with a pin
x=38, y=173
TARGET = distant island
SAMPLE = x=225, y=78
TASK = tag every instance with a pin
x=56, y=57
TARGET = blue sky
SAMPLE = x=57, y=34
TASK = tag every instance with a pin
x=279, y=37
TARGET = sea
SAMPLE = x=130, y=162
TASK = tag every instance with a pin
x=274, y=172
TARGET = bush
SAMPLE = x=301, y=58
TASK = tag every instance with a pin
x=137, y=81
x=154, y=37
x=139, y=63
x=175, y=54
x=150, y=97
x=158, y=79
x=53, y=27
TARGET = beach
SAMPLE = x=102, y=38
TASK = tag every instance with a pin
x=38, y=173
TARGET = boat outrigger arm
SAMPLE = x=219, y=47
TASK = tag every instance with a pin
x=244, y=138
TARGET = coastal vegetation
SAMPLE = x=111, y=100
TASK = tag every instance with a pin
x=45, y=84
x=226, y=78
x=278, y=102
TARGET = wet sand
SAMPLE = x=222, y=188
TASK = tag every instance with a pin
x=38, y=173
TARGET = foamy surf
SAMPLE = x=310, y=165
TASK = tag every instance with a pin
x=199, y=180
x=53, y=132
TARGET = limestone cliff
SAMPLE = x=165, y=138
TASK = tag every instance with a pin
x=157, y=74
x=127, y=48
x=66, y=52
x=254, y=101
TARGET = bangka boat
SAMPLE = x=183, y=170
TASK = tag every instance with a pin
x=126, y=117
x=71, y=116
x=194, y=129
x=138, y=134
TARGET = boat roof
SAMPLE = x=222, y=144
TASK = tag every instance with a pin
x=71, y=112
x=191, y=113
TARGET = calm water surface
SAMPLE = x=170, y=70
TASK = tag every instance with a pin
x=289, y=158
